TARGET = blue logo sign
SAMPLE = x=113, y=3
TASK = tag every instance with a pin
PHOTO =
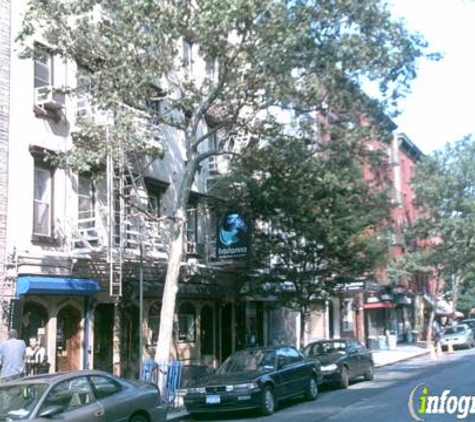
x=232, y=236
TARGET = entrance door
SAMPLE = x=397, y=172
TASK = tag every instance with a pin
x=103, y=336
x=226, y=321
x=68, y=339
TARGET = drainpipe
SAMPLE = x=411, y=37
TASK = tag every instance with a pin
x=87, y=329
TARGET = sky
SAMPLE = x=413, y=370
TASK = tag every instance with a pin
x=441, y=105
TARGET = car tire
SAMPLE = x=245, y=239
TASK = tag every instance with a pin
x=311, y=393
x=369, y=375
x=344, y=378
x=268, y=402
x=139, y=418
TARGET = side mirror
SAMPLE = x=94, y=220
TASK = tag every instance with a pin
x=51, y=411
x=352, y=351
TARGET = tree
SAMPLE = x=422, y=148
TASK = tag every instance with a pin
x=318, y=223
x=263, y=52
x=444, y=234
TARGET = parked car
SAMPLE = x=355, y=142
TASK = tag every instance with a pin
x=341, y=360
x=80, y=396
x=470, y=322
x=255, y=378
x=460, y=335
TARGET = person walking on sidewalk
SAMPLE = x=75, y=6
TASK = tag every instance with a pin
x=12, y=356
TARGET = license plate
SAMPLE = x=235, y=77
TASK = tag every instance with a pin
x=214, y=399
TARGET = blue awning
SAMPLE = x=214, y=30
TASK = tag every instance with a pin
x=44, y=285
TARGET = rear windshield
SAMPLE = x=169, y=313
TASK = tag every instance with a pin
x=455, y=330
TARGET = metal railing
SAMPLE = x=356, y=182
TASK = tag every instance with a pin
x=171, y=372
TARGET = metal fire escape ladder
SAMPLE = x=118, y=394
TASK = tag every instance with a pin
x=116, y=219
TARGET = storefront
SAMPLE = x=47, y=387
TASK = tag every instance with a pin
x=56, y=311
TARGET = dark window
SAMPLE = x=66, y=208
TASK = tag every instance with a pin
x=186, y=322
x=104, y=386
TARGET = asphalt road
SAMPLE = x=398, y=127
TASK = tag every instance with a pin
x=384, y=399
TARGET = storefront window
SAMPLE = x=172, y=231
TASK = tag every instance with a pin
x=153, y=324
x=186, y=322
x=347, y=315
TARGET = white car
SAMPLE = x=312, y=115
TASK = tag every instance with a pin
x=459, y=335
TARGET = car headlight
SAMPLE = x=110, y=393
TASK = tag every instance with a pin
x=329, y=368
x=245, y=386
x=196, y=390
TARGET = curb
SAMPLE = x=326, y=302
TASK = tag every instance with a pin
x=382, y=365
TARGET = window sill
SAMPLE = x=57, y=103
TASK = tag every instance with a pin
x=45, y=240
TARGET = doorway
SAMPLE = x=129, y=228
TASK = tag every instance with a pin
x=68, y=339
x=103, y=336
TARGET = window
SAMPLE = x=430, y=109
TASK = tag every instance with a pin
x=69, y=394
x=191, y=230
x=210, y=68
x=43, y=67
x=186, y=322
x=42, y=201
x=104, y=386
x=85, y=198
x=188, y=56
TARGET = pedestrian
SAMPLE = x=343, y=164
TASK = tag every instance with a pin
x=35, y=355
x=12, y=356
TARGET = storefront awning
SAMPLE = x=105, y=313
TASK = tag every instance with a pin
x=43, y=285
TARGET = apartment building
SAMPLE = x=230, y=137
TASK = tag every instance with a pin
x=5, y=53
x=82, y=247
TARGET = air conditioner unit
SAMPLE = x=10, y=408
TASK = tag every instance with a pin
x=47, y=99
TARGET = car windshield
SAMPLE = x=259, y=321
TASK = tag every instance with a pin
x=455, y=330
x=325, y=348
x=249, y=360
x=18, y=401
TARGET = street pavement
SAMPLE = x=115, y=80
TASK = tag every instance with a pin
x=384, y=399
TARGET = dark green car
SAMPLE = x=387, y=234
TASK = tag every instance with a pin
x=341, y=360
x=256, y=378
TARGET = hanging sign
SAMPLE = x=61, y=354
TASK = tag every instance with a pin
x=232, y=237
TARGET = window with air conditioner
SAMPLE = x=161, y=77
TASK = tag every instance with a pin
x=43, y=63
x=42, y=202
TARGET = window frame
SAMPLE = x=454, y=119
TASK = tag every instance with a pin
x=189, y=317
x=50, y=201
x=43, y=51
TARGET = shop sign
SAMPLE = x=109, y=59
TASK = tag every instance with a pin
x=232, y=237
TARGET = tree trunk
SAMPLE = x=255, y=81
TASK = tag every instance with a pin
x=455, y=292
x=175, y=254
x=303, y=319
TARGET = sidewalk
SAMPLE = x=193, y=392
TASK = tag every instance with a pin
x=400, y=353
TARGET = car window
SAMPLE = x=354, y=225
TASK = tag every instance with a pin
x=69, y=394
x=249, y=360
x=104, y=386
x=325, y=348
x=18, y=401
x=292, y=355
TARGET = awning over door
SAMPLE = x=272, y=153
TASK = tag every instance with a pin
x=44, y=285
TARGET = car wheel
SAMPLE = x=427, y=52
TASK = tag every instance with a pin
x=268, y=401
x=312, y=389
x=344, y=378
x=369, y=376
x=139, y=418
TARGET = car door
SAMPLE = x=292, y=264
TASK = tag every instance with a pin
x=284, y=373
x=301, y=371
x=71, y=400
x=364, y=357
x=114, y=397
x=353, y=358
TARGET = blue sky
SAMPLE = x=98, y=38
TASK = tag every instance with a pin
x=441, y=106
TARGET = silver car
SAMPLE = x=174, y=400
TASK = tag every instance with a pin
x=460, y=335
x=82, y=396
